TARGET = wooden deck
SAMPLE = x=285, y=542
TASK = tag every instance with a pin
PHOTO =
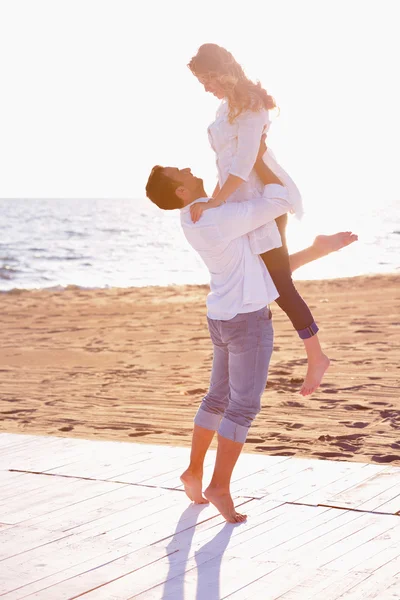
x=109, y=520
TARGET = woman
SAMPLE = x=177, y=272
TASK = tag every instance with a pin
x=241, y=120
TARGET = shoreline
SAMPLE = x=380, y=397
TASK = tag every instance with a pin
x=72, y=286
x=132, y=364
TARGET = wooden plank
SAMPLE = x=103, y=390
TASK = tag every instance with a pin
x=244, y=467
x=324, y=583
x=371, y=494
x=341, y=485
x=292, y=488
x=266, y=482
x=17, y=539
x=50, y=500
x=376, y=585
x=284, y=540
x=218, y=577
x=41, y=563
x=28, y=560
x=83, y=577
x=372, y=550
x=118, y=560
x=91, y=510
x=383, y=556
x=314, y=482
x=334, y=544
x=26, y=487
x=279, y=539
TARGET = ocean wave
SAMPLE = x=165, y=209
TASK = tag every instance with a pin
x=7, y=272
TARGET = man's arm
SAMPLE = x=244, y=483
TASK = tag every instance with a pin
x=236, y=219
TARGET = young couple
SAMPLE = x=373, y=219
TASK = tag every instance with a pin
x=242, y=242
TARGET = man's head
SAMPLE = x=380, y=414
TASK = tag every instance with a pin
x=170, y=187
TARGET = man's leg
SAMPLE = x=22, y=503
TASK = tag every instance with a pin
x=208, y=416
x=250, y=341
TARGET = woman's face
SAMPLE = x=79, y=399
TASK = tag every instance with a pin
x=212, y=85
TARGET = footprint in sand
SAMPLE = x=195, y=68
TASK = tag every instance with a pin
x=66, y=428
x=386, y=458
x=196, y=391
x=356, y=407
x=332, y=455
x=284, y=453
x=357, y=424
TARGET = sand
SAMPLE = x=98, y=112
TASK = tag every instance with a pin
x=133, y=365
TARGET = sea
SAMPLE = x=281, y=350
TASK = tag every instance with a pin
x=102, y=243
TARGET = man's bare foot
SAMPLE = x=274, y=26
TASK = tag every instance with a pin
x=222, y=500
x=315, y=373
x=325, y=244
x=193, y=484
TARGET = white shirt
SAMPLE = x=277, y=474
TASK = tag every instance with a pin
x=236, y=146
x=240, y=282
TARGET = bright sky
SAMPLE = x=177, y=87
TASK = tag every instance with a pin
x=95, y=92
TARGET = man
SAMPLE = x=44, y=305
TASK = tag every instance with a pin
x=238, y=315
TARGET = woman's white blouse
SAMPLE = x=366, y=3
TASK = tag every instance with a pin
x=236, y=147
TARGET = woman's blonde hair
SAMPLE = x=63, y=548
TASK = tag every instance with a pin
x=241, y=93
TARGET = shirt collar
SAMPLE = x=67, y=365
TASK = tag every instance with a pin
x=186, y=208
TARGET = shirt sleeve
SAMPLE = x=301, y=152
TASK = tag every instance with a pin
x=251, y=126
x=236, y=219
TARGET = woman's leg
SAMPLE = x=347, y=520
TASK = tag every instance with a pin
x=322, y=246
x=290, y=301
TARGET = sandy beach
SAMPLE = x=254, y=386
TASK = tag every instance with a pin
x=133, y=365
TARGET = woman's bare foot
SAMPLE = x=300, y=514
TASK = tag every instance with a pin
x=315, y=373
x=325, y=244
x=222, y=500
x=193, y=483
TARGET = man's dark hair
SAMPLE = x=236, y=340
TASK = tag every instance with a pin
x=161, y=189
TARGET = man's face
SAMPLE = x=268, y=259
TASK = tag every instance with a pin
x=185, y=178
x=212, y=85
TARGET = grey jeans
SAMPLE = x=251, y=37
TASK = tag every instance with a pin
x=242, y=351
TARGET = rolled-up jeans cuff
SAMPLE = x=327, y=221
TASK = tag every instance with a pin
x=232, y=431
x=308, y=332
x=207, y=420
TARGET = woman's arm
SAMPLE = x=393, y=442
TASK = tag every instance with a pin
x=230, y=186
x=251, y=126
x=216, y=190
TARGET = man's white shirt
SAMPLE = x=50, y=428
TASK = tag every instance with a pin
x=240, y=282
